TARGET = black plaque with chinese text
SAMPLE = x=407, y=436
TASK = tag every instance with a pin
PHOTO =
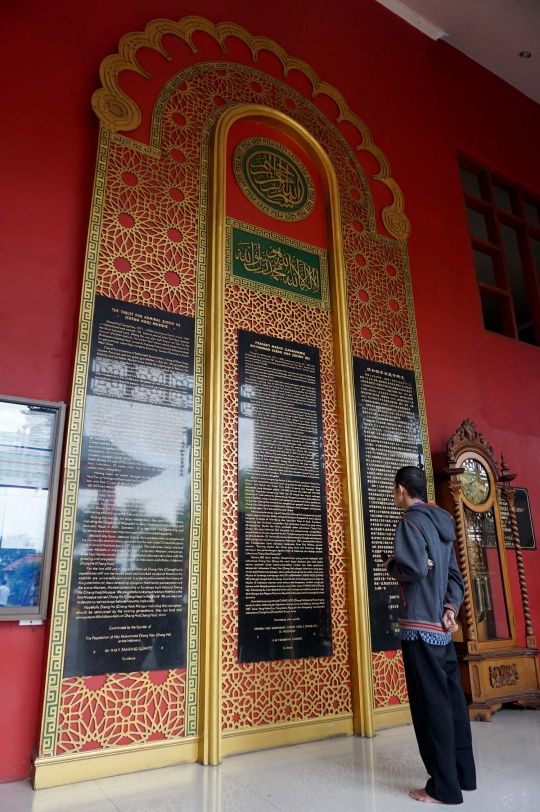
x=283, y=569
x=389, y=438
x=128, y=597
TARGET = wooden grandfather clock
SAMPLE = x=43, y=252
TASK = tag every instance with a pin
x=493, y=668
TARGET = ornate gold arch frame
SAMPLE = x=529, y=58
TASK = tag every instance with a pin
x=358, y=607
x=118, y=112
x=118, y=115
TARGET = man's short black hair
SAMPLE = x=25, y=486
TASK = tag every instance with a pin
x=413, y=480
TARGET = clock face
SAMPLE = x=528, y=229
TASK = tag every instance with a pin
x=475, y=482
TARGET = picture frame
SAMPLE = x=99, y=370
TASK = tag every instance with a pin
x=31, y=441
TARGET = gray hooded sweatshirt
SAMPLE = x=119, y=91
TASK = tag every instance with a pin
x=425, y=532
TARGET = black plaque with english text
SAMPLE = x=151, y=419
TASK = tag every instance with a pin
x=283, y=569
x=128, y=596
x=389, y=438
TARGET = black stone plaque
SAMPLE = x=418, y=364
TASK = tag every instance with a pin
x=128, y=597
x=527, y=538
x=389, y=438
x=283, y=570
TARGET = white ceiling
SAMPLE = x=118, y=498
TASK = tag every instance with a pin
x=492, y=32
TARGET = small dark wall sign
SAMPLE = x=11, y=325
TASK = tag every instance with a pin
x=524, y=521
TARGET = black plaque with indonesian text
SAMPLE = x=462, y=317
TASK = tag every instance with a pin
x=128, y=597
x=283, y=568
x=389, y=438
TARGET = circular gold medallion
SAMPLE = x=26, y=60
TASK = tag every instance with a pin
x=475, y=482
x=274, y=179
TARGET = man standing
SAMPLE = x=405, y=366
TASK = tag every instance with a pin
x=424, y=563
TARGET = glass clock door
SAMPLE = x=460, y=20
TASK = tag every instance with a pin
x=486, y=576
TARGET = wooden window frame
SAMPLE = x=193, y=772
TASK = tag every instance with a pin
x=495, y=216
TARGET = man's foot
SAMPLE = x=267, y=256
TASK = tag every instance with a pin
x=421, y=795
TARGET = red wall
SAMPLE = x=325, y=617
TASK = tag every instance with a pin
x=421, y=100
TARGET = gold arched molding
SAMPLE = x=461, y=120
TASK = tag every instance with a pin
x=359, y=634
x=119, y=113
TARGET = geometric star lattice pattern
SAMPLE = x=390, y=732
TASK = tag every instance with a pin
x=148, y=248
x=282, y=691
x=389, y=679
x=121, y=709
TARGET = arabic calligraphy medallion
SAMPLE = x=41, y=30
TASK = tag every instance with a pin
x=274, y=179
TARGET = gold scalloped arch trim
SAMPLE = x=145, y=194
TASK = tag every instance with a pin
x=118, y=112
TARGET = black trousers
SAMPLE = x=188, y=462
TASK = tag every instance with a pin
x=440, y=718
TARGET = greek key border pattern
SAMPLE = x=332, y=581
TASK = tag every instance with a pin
x=231, y=278
x=68, y=514
x=136, y=145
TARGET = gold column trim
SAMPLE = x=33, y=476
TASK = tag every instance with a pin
x=359, y=635
x=392, y=716
x=70, y=768
x=118, y=112
x=285, y=734
x=72, y=454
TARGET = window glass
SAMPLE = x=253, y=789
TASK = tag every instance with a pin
x=491, y=310
x=27, y=436
x=487, y=585
x=477, y=224
x=485, y=270
x=470, y=183
x=510, y=263
x=502, y=198
x=532, y=215
x=517, y=284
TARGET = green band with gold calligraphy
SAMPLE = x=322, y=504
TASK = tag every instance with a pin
x=284, y=267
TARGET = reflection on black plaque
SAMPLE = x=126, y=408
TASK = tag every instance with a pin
x=283, y=571
x=128, y=598
x=389, y=438
x=524, y=521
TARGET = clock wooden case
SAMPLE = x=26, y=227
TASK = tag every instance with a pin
x=494, y=669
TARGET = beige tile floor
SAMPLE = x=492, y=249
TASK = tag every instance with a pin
x=336, y=775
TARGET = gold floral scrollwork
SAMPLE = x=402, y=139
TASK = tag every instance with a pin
x=394, y=220
x=502, y=676
x=118, y=112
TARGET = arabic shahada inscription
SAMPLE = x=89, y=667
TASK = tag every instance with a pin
x=267, y=261
x=274, y=179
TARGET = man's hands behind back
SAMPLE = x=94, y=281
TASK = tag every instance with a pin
x=449, y=622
